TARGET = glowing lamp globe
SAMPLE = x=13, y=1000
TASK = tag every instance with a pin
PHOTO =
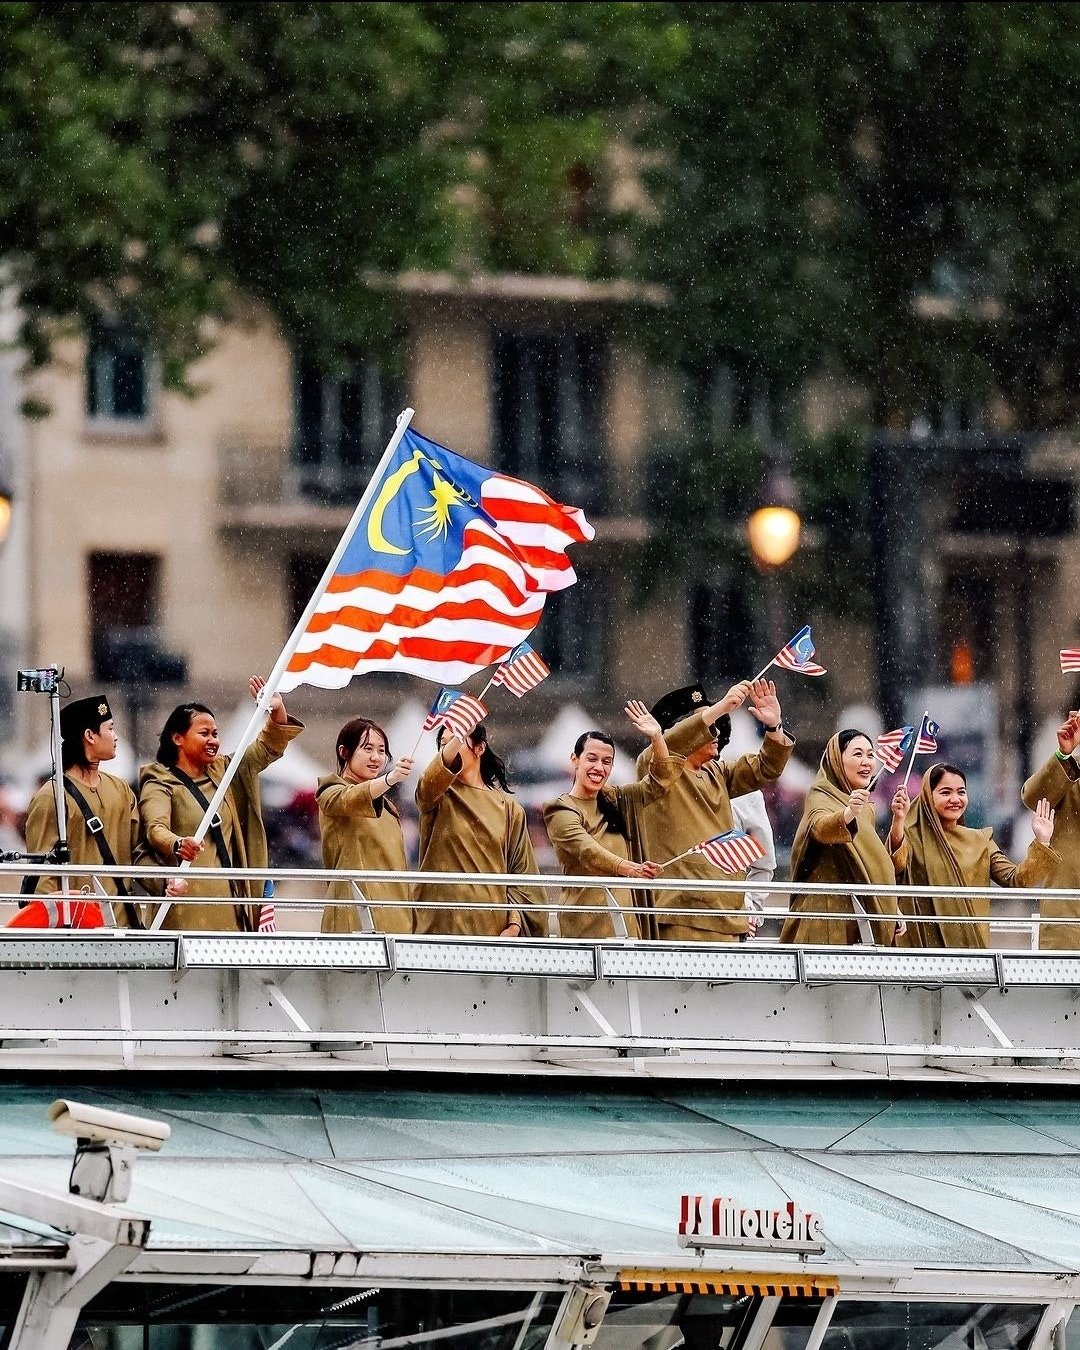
x=5, y=515
x=774, y=533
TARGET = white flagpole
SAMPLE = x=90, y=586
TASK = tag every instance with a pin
x=762, y=673
x=258, y=717
x=880, y=774
x=915, y=746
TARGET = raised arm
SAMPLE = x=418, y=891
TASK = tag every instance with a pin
x=436, y=781
x=1059, y=773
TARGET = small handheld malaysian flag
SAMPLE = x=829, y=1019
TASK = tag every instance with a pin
x=1070, y=660
x=522, y=670
x=925, y=742
x=891, y=747
x=928, y=734
x=459, y=713
x=730, y=852
x=797, y=655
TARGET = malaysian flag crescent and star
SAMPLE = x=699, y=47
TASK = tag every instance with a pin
x=446, y=572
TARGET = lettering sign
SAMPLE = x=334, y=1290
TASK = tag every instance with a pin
x=721, y=1222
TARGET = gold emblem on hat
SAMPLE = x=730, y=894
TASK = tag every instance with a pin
x=103, y=709
x=697, y=696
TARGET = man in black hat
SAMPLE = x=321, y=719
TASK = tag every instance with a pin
x=102, y=820
x=699, y=805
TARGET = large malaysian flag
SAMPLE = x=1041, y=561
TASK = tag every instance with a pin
x=445, y=572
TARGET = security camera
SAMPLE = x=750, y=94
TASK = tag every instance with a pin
x=97, y=1125
x=108, y=1144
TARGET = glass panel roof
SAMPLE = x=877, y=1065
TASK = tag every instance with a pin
x=909, y=1175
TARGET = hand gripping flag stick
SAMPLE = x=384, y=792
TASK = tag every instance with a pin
x=262, y=705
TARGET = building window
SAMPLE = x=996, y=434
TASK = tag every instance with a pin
x=342, y=426
x=570, y=635
x=117, y=374
x=123, y=590
x=721, y=632
x=305, y=572
x=549, y=413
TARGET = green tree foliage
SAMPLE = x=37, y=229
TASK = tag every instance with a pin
x=884, y=188
x=154, y=158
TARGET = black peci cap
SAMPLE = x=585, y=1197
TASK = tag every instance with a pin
x=678, y=704
x=83, y=714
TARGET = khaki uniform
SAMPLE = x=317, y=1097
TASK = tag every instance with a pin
x=113, y=802
x=471, y=829
x=586, y=845
x=1059, y=782
x=360, y=832
x=169, y=812
x=828, y=849
x=957, y=856
x=697, y=807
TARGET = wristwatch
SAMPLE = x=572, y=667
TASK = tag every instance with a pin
x=177, y=844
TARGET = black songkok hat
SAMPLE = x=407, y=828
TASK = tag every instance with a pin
x=678, y=704
x=83, y=714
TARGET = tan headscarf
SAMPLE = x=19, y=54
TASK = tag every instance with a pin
x=854, y=859
x=941, y=857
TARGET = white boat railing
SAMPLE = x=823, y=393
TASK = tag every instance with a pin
x=1026, y=922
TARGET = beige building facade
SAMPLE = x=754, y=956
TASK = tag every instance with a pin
x=191, y=531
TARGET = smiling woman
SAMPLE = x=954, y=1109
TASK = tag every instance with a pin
x=598, y=830
x=837, y=841
x=174, y=792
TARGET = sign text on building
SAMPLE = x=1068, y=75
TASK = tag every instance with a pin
x=721, y=1222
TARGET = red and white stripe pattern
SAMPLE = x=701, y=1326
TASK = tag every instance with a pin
x=798, y=655
x=731, y=852
x=522, y=670
x=267, y=918
x=891, y=746
x=1070, y=660
x=462, y=716
x=411, y=601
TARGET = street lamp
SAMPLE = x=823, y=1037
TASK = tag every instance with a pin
x=5, y=510
x=775, y=526
x=773, y=531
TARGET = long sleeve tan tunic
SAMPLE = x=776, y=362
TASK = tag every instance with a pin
x=114, y=803
x=1059, y=782
x=169, y=812
x=698, y=806
x=829, y=850
x=586, y=845
x=362, y=833
x=471, y=829
x=958, y=855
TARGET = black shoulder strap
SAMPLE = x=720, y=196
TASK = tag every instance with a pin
x=224, y=857
x=96, y=826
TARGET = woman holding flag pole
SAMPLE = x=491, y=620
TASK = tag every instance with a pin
x=837, y=842
x=177, y=790
x=598, y=830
